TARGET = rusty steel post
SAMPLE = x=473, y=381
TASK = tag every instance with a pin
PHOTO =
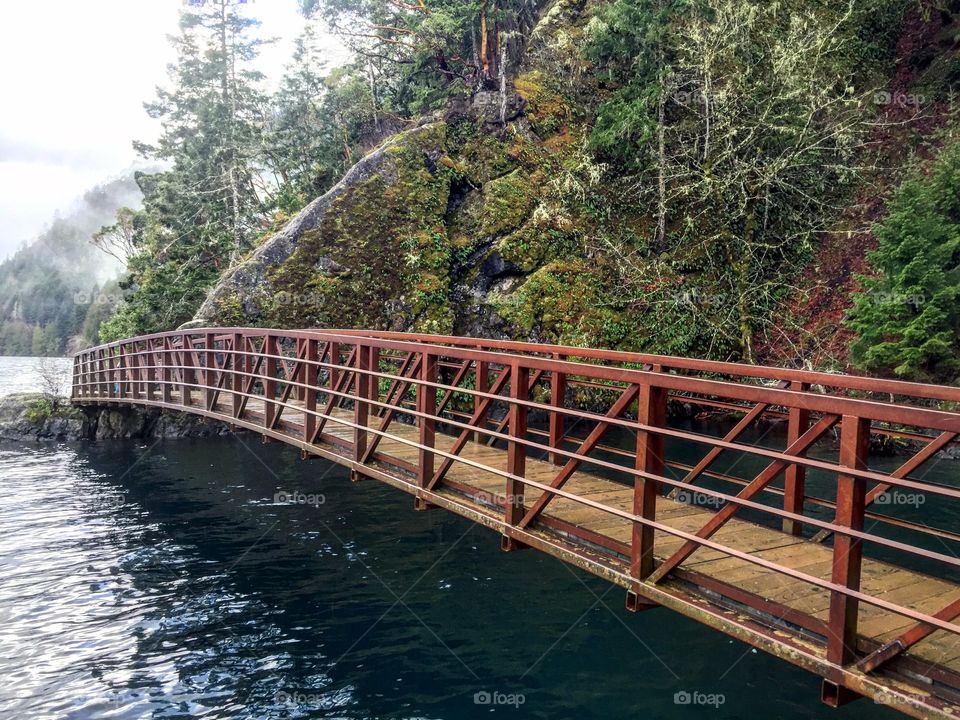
x=481, y=383
x=361, y=410
x=847, y=551
x=311, y=378
x=514, y=509
x=794, y=484
x=651, y=412
x=558, y=392
x=238, y=365
x=186, y=370
x=209, y=362
x=426, y=404
x=271, y=365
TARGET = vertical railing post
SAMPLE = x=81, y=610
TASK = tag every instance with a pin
x=558, y=392
x=152, y=370
x=139, y=371
x=848, y=551
x=122, y=371
x=426, y=422
x=333, y=376
x=361, y=409
x=209, y=362
x=270, y=364
x=310, y=377
x=166, y=374
x=794, y=485
x=482, y=384
x=101, y=374
x=238, y=364
x=652, y=413
x=516, y=451
x=186, y=370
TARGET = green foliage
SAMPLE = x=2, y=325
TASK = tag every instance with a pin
x=39, y=410
x=908, y=317
x=202, y=214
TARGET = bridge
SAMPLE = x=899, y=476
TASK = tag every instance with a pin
x=769, y=526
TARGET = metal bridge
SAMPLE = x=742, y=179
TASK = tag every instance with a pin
x=804, y=553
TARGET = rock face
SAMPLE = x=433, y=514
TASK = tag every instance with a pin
x=435, y=230
x=34, y=416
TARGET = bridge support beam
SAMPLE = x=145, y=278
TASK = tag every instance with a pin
x=638, y=603
x=835, y=695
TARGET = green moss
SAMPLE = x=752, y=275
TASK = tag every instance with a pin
x=388, y=232
x=546, y=109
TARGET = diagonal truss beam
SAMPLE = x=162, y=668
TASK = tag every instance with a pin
x=399, y=388
x=342, y=385
x=928, y=451
x=628, y=395
x=895, y=648
x=534, y=379
x=478, y=413
x=756, y=485
x=735, y=432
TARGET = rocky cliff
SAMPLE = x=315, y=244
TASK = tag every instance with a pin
x=456, y=225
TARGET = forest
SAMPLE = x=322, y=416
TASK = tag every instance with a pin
x=739, y=180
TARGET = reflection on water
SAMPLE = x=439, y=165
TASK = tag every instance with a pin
x=166, y=581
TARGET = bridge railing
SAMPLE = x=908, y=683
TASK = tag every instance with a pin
x=592, y=413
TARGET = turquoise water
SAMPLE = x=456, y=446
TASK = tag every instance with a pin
x=165, y=581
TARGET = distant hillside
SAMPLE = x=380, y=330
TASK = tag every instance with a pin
x=59, y=286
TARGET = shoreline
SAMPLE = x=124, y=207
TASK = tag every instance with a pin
x=40, y=417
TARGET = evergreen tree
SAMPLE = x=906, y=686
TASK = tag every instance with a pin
x=203, y=213
x=907, y=318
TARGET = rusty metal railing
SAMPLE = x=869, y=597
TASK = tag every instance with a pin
x=592, y=413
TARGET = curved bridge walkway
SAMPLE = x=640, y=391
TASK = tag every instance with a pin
x=770, y=526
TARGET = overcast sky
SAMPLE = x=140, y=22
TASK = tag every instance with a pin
x=73, y=78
